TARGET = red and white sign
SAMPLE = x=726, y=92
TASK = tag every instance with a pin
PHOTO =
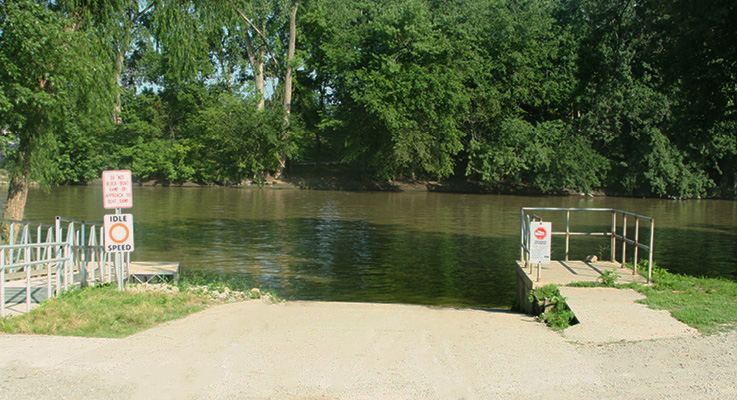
x=540, y=242
x=117, y=189
x=118, y=233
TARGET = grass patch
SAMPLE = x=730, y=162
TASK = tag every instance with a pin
x=104, y=312
x=707, y=304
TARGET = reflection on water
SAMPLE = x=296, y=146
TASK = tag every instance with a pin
x=422, y=248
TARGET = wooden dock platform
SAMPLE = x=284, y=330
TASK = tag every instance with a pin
x=565, y=272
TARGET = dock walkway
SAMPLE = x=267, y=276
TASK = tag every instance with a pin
x=604, y=314
x=15, y=286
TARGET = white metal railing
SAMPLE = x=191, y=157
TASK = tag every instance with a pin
x=27, y=260
x=69, y=253
x=24, y=232
x=88, y=252
x=616, y=215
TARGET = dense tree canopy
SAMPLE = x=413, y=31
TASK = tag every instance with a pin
x=55, y=86
x=629, y=97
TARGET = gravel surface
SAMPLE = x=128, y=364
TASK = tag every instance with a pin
x=313, y=350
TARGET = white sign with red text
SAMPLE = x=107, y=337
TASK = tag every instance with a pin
x=117, y=189
x=540, y=242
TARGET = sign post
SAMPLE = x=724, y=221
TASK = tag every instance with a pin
x=540, y=244
x=117, y=193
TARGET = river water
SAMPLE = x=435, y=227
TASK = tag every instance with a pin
x=420, y=248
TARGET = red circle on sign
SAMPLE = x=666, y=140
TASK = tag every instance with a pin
x=540, y=233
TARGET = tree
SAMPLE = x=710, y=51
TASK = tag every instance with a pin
x=53, y=75
x=397, y=98
x=265, y=28
x=625, y=108
x=696, y=48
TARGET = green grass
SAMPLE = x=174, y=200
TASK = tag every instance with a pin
x=707, y=304
x=104, y=312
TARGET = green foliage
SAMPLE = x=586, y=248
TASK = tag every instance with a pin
x=394, y=68
x=632, y=98
x=243, y=140
x=555, y=311
x=193, y=133
x=609, y=278
x=548, y=156
x=55, y=81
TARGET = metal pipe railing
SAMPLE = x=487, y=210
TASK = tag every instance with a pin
x=70, y=246
x=612, y=233
x=47, y=258
x=88, y=249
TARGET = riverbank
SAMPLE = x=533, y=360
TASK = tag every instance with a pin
x=338, y=177
x=310, y=350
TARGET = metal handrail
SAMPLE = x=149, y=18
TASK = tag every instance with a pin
x=69, y=246
x=87, y=244
x=612, y=233
x=20, y=233
x=54, y=254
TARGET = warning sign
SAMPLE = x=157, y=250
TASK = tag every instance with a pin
x=118, y=233
x=117, y=189
x=540, y=242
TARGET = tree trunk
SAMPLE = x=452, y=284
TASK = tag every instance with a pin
x=16, y=204
x=256, y=59
x=288, y=86
x=259, y=77
x=17, y=193
x=117, y=108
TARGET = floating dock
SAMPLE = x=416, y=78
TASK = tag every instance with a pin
x=153, y=272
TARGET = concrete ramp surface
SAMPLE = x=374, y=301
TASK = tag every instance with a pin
x=304, y=350
x=301, y=350
x=612, y=315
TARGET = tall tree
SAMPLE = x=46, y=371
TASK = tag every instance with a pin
x=52, y=75
x=267, y=31
x=397, y=97
x=695, y=47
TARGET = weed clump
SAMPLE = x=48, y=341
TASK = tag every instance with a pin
x=553, y=308
x=609, y=278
